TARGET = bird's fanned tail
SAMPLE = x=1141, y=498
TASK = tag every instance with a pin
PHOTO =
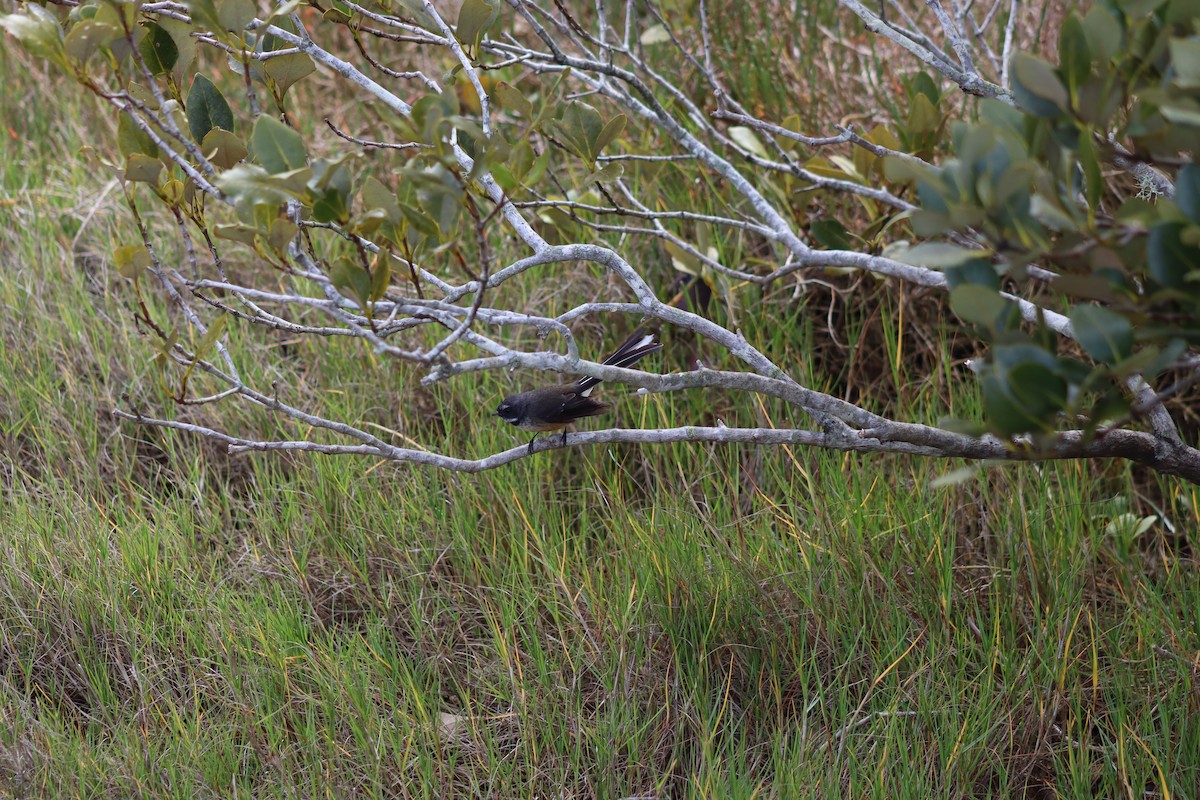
x=631, y=351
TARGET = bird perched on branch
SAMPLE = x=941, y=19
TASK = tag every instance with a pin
x=553, y=408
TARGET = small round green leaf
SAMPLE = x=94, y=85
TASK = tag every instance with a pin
x=474, y=19
x=1187, y=192
x=981, y=305
x=612, y=129
x=206, y=108
x=223, y=148
x=132, y=139
x=978, y=270
x=286, y=70
x=512, y=99
x=141, y=168
x=830, y=234
x=1042, y=393
x=937, y=255
x=1074, y=55
x=235, y=15
x=282, y=232
x=87, y=37
x=1037, y=87
x=1169, y=257
x=1104, y=335
x=923, y=116
x=1103, y=32
x=1185, y=57
x=158, y=50
x=131, y=260
x=1005, y=414
x=276, y=146
x=381, y=272
x=348, y=277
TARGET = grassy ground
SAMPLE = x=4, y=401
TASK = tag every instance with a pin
x=651, y=622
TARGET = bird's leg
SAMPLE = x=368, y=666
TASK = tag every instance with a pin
x=564, y=441
x=531, y=441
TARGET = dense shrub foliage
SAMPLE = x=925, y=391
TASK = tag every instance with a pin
x=1061, y=214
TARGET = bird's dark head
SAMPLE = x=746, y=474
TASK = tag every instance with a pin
x=507, y=411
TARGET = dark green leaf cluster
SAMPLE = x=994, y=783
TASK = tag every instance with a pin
x=1075, y=182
